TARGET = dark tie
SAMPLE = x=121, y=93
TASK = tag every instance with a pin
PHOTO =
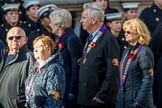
x=90, y=38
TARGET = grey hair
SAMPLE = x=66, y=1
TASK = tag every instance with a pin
x=61, y=18
x=94, y=11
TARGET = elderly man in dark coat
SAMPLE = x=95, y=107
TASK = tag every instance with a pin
x=98, y=76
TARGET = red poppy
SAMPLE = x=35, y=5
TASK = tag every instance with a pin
x=60, y=45
x=131, y=56
x=57, y=41
x=93, y=44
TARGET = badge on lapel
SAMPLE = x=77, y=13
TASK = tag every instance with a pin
x=115, y=62
x=56, y=95
x=151, y=71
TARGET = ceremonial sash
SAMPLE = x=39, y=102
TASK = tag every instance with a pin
x=124, y=71
x=92, y=44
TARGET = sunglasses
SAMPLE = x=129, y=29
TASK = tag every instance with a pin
x=16, y=37
x=129, y=32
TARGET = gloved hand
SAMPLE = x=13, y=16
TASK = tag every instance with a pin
x=71, y=97
x=136, y=105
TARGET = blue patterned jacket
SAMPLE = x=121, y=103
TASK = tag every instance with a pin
x=50, y=79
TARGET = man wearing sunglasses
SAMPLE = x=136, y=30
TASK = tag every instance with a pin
x=16, y=61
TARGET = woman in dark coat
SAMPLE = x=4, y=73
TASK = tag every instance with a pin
x=136, y=68
x=156, y=47
x=70, y=47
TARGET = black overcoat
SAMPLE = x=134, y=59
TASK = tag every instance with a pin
x=138, y=83
x=98, y=77
x=156, y=47
x=152, y=16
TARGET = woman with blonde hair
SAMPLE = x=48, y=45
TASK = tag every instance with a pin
x=136, y=68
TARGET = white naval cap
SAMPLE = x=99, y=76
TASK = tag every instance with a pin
x=45, y=10
x=113, y=16
x=28, y=3
x=130, y=5
x=11, y=6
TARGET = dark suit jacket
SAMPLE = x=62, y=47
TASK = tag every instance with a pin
x=98, y=77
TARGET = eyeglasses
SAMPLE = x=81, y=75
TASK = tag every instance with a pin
x=16, y=37
x=128, y=32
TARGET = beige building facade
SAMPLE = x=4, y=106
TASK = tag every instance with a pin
x=75, y=7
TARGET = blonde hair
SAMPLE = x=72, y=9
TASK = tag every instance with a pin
x=47, y=42
x=139, y=27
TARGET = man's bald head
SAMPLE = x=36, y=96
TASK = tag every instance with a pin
x=16, y=38
x=16, y=30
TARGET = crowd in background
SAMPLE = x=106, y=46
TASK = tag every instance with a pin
x=113, y=63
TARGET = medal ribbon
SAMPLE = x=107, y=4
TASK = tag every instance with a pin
x=87, y=50
x=124, y=72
